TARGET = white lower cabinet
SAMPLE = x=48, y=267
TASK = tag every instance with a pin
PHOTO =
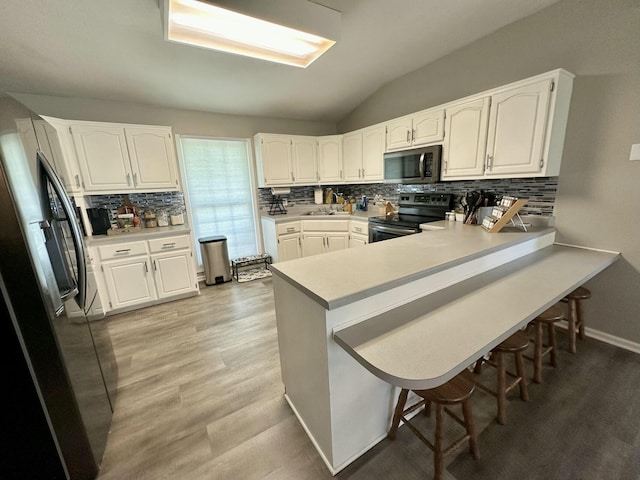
x=323, y=236
x=128, y=282
x=358, y=233
x=289, y=247
x=141, y=272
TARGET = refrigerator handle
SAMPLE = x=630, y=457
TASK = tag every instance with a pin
x=76, y=234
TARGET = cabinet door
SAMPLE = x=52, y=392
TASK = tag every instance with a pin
x=358, y=241
x=103, y=157
x=153, y=159
x=465, y=141
x=516, y=135
x=428, y=127
x=129, y=282
x=373, y=145
x=276, y=159
x=399, y=134
x=312, y=244
x=289, y=247
x=330, y=158
x=336, y=241
x=173, y=274
x=352, y=156
x=304, y=157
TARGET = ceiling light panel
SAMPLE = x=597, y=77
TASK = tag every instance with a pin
x=210, y=26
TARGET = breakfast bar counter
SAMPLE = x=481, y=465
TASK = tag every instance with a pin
x=355, y=324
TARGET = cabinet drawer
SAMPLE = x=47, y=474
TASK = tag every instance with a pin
x=325, y=225
x=286, y=228
x=169, y=243
x=122, y=250
x=360, y=228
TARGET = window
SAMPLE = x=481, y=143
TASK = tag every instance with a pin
x=219, y=192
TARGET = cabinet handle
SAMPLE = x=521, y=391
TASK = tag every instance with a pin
x=363, y=173
x=78, y=181
x=359, y=173
x=129, y=179
x=489, y=162
x=135, y=179
x=146, y=268
x=413, y=134
x=408, y=135
x=299, y=241
x=327, y=242
x=340, y=173
x=293, y=178
x=291, y=229
x=124, y=250
x=155, y=267
x=168, y=245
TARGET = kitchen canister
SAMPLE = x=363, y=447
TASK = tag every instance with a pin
x=317, y=196
x=177, y=218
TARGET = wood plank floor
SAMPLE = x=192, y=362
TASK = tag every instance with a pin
x=200, y=397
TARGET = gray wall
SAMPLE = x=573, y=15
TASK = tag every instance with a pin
x=184, y=122
x=598, y=187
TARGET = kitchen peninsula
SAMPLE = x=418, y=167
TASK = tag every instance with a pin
x=412, y=311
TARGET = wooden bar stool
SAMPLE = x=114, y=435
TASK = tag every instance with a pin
x=516, y=344
x=547, y=318
x=458, y=390
x=575, y=317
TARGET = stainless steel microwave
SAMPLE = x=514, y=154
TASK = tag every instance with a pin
x=421, y=165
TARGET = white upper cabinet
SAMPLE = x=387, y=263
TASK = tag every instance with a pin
x=523, y=135
x=330, y=159
x=103, y=157
x=518, y=118
x=304, y=157
x=362, y=153
x=153, y=160
x=464, y=147
x=118, y=158
x=286, y=159
x=415, y=130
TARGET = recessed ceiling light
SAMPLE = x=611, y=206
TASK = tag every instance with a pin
x=207, y=25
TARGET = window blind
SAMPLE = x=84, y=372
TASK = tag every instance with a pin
x=219, y=191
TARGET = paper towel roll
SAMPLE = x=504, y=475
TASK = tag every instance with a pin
x=317, y=196
x=280, y=191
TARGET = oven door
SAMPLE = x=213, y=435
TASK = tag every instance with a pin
x=378, y=232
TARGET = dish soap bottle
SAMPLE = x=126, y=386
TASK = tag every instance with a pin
x=364, y=203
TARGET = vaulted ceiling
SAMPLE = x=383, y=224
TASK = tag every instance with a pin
x=114, y=50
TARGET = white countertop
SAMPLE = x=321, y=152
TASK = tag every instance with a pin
x=425, y=343
x=145, y=234
x=342, y=277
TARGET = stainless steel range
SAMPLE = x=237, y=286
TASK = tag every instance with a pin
x=413, y=209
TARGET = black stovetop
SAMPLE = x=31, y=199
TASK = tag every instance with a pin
x=417, y=208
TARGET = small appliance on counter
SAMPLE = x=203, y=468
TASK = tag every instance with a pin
x=100, y=221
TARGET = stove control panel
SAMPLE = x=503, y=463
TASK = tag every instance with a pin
x=426, y=199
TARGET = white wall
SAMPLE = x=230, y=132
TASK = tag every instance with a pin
x=598, y=198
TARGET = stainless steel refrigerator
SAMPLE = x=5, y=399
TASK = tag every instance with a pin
x=61, y=374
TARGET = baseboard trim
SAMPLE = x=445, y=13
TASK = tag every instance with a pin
x=608, y=338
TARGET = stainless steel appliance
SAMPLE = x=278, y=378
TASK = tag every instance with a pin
x=421, y=165
x=413, y=210
x=60, y=389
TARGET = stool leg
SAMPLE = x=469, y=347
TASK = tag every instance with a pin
x=571, y=320
x=402, y=399
x=427, y=409
x=438, y=466
x=502, y=385
x=478, y=368
x=551, y=332
x=537, y=353
x=524, y=391
x=471, y=429
x=580, y=317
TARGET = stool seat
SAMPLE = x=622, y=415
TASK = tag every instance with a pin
x=515, y=344
x=575, y=317
x=458, y=390
x=547, y=318
x=579, y=293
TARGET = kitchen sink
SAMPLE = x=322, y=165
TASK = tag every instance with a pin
x=319, y=212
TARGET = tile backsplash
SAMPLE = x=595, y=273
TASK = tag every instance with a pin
x=170, y=201
x=540, y=192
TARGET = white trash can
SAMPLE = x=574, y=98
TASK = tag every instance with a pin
x=215, y=257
